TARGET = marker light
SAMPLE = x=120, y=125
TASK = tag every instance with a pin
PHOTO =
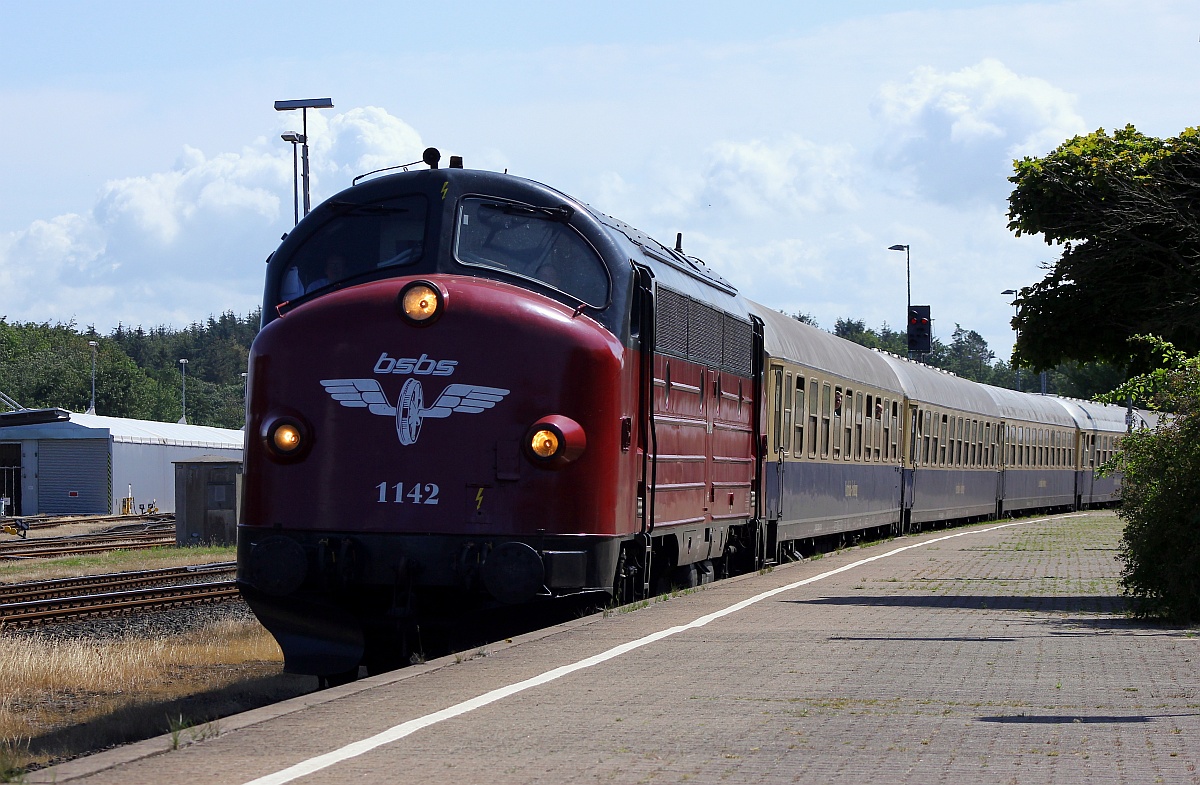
x=554, y=441
x=420, y=303
x=286, y=438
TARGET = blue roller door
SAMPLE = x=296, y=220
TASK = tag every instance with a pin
x=74, y=476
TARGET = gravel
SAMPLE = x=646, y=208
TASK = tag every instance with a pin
x=165, y=623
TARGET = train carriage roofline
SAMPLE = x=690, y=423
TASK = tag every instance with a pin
x=793, y=341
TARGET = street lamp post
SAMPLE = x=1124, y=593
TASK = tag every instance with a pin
x=908, y=284
x=183, y=370
x=304, y=104
x=92, y=405
x=294, y=138
x=1016, y=313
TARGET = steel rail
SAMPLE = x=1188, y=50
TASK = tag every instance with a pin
x=25, y=614
x=116, y=581
x=34, y=550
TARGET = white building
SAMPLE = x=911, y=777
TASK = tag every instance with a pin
x=55, y=462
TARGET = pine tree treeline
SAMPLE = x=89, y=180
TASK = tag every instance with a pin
x=137, y=370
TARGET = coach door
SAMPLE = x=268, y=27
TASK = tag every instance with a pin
x=1002, y=437
x=778, y=467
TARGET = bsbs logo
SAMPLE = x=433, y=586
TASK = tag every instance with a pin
x=420, y=366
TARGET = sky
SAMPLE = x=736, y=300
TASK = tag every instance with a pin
x=143, y=179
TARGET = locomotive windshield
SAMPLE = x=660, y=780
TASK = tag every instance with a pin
x=532, y=242
x=355, y=241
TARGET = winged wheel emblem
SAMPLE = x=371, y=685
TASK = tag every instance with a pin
x=410, y=410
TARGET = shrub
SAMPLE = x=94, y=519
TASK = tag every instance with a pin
x=1160, y=491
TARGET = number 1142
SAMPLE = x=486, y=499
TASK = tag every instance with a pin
x=417, y=493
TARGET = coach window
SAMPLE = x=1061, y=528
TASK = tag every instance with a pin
x=858, y=425
x=798, y=444
x=868, y=426
x=950, y=442
x=787, y=412
x=813, y=412
x=886, y=422
x=939, y=441
x=836, y=436
x=895, y=431
x=874, y=426
x=778, y=373
x=826, y=402
x=965, y=442
x=927, y=456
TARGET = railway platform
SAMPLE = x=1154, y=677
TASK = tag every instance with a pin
x=995, y=653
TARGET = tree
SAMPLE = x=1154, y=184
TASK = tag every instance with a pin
x=1124, y=209
x=1160, y=494
x=856, y=330
x=968, y=355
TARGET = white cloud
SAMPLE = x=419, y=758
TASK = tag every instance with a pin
x=957, y=133
x=759, y=180
x=176, y=246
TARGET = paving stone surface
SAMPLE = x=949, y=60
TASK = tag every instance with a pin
x=983, y=655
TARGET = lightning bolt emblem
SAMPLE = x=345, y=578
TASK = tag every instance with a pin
x=479, y=500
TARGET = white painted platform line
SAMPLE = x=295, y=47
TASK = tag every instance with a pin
x=397, y=732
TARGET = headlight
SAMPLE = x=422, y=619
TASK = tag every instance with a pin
x=420, y=303
x=545, y=443
x=554, y=441
x=286, y=438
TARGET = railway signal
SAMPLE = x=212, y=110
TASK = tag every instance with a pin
x=920, y=329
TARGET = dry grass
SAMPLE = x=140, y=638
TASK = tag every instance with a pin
x=63, y=698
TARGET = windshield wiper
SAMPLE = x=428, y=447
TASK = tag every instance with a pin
x=561, y=214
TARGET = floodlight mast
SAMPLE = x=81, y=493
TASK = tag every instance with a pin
x=304, y=104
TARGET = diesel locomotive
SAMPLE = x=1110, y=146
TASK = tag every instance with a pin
x=471, y=391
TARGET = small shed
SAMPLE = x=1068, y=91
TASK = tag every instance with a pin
x=208, y=492
x=63, y=463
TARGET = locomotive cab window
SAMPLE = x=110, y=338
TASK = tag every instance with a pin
x=356, y=241
x=531, y=242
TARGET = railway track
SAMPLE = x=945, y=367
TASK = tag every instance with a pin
x=31, y=591
x=47, y=522
x=145, y=534
x=44, y=602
